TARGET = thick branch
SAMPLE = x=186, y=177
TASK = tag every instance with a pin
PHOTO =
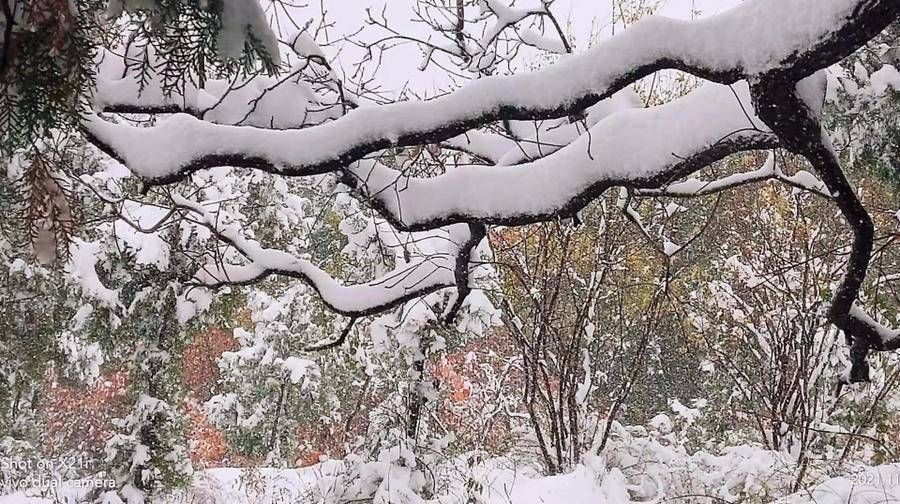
x=687, y=134
x=773, y=43
x=797, y=125
x=793, y=39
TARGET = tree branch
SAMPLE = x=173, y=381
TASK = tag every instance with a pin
x=716, y=49
x=431, y=273
x=780, y=106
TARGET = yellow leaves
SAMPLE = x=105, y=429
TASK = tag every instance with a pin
x=774, y=200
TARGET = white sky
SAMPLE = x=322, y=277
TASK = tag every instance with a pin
x=401, y=67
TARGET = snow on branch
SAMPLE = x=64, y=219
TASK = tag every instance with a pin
x=506, y=17
x=280, y=102
x=687, y=134
x=793, y=39
x=447, y=265
x=770, y=170
x=776, y=45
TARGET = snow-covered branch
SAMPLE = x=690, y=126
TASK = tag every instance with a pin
x=445, y=266
x=770, y=170
x=793, y=116
x=777, y=45
x=793, y=39
x=288, y=101
x=689, y=134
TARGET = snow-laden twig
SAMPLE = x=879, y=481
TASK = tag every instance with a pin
x=407, y=281
x=770, y=170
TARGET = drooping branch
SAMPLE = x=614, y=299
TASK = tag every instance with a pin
x=793, y=39
x=461, y=273
x=562, y=183
x=775, y=44
x=797, y=125
x=445, y=266
x=687, y=134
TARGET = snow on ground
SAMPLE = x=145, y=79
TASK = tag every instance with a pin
x=639, y=465
x=875, y=485
x=499, y=483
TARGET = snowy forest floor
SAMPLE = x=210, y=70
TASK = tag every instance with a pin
x=320, y=483
x=634, y=468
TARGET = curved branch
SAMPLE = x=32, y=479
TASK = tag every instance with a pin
x=477, y=232
x=337, y=342
x=797, y=125
x=693, y=188
x=772, y=43
x=686, y=135
x=793, y=39
x=435, y=271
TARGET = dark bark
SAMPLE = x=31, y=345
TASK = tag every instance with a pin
x=780, y=107
x=794, y=124
x=416, y=400
x=461, y=25
x=7, y=50
x=273, y=436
